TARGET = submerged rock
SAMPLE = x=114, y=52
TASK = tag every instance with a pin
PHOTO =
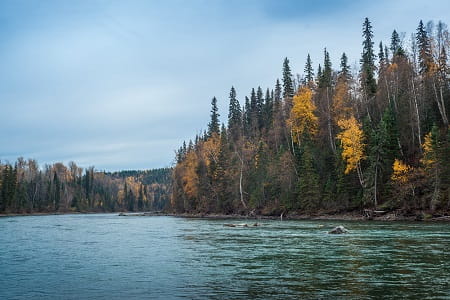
x=338, y=230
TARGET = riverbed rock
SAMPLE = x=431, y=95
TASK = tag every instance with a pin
x=338, y=230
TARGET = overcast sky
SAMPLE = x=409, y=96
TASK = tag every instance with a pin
x=120, y=84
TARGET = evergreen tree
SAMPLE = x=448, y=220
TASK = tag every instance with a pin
x=325, y=79
x=345, y=69
x=396, y=46
x=367, y=61
x=423, y=43
x=214, y=124
x=309, y=72
x=381, y=56
x=247, y=116
x=319, y=74
x=288, y=84
x=260, y=107
x=268, y=109
x=234, y=116
x=308, y=182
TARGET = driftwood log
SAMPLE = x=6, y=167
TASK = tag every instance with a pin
x=240, y=225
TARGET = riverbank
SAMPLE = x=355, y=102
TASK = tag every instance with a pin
x=347, y=216
x=391, y=216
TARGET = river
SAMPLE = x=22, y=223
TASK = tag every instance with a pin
x=104, y=256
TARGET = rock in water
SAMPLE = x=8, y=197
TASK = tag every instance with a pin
x=338, y=230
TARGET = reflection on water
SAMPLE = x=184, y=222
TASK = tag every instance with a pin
x=106, y=256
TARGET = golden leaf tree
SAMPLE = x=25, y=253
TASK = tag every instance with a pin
x=302, y=120
x=352, y=141
x=400, y=171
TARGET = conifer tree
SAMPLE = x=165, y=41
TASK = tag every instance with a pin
x=309, y=72
x=214, y=124
x=396, y=46
x=367, y=61
x=288, y=84
x=423, y=43
x=345, y=69
x=234, y=116
x=325, y=80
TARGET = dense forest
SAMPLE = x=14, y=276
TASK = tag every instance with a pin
x=332, y=139
x=27, y=188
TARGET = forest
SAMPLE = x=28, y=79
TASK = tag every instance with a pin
x=27, y=188
x=334, y=139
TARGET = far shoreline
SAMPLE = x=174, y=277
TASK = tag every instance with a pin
x=388, y=217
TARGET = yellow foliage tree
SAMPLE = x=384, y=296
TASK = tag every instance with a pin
x=302, y=120
x=211, y=149
x=190, y=176
x=401, y=171
x=352, y=141
x=428, y=151
x=341, y=108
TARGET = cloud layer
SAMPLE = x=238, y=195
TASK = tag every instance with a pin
x=120, y=84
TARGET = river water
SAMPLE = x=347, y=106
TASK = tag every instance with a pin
x=105, y=256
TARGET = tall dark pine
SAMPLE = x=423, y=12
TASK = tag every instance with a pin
x=288, y=85
x=367, y=61
x=423, y=43
x=247, y=120
x=277, y=99
x=319, y=74
x=277, y=95
x=396, y=46
x=345, y=69
x=381, y=55
x=325, y=80
x=214, y=124
x=260, y=106
x=234, y=115
x=268, y=109
x=309, y=72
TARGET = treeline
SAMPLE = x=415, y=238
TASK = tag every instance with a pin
x=331, y=140
x=27, y=188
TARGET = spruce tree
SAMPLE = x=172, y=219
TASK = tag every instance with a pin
x=309, y=72
x=367, y=61
x=268, y=109
x=325, y=79
x=214, y=124
x=319, y=74
x=423, y=43
x=396, y=46
x=381, y=56
x=260, y=106
x=345, y=69
x=288, y=84
x=247, y=116
x=234, y=115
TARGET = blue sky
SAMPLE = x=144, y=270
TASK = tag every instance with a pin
x=121, y=84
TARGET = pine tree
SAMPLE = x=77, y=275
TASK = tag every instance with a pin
x=309, y=72
x=288, y=85
x=381, y=57
x=247, y=117
x=325, y=80
x=214, y=124
x=259, y=107
x=367, y=61
x=234, y=116
x=345, y=69
x=319, y=74
x=423, y=43
x=396, y=46
x=308, y=188
x=268, y=109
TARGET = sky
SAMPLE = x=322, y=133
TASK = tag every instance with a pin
x=121, y=84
